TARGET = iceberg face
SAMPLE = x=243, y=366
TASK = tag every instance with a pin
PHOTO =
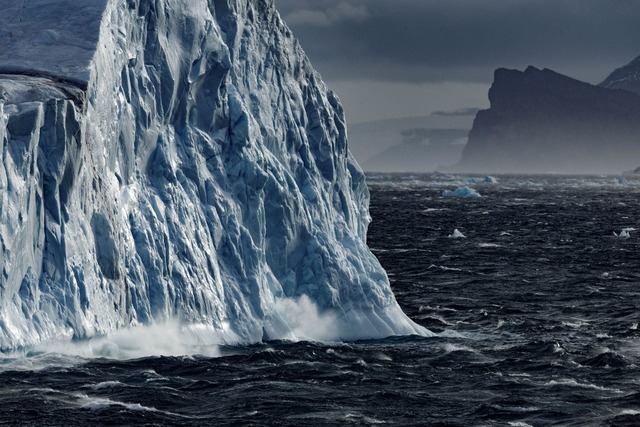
x=196, y=168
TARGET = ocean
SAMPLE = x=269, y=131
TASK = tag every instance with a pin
x=535, y=312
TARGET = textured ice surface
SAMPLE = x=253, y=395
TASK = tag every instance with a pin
x=202, y=176
x=53, y=37
x=463, y=192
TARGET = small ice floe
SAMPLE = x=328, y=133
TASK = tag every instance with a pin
x=462, y=192
x=625, y=233
x=457, y=235
x=489, y=245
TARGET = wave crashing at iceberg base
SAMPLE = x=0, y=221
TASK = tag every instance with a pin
x=293, y=320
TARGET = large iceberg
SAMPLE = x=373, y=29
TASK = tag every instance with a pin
x=176, y=160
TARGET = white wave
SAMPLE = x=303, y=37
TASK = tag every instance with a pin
x=629, y=412
x=489, y=245
x=453, y=348
x=444, y=268
x=434, y=317
x=462, y=192
x=105, y=385
x=299, y=320
x=97, y=403
x=36, y=361
x=93, y=403
x=575, y=323
x=167, y=339
x=570, y=382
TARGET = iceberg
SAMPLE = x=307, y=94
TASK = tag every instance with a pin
x=462, y=192
x=625, y=233
x=485, y=180
x=177, y=161
x=457, y=235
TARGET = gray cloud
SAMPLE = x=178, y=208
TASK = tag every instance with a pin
x=463, y=40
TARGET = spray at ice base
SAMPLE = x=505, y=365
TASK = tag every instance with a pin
x=203, y=175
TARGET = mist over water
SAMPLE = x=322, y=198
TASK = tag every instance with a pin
x=293, y=320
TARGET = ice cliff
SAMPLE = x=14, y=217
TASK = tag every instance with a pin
x=176, y=159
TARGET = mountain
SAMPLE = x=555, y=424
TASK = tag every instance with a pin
x=166, y=159
x=627, y=77
x=421, y=150
x=370, y=139
x=541, y=121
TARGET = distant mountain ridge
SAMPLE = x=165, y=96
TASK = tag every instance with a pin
x=627, y=77
x=542, y=121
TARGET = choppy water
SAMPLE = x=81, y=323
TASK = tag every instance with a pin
x=536, y=311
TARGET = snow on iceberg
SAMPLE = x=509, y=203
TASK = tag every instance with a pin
x=462, y=192
x=177, y=161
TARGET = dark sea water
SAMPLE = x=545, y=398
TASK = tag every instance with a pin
x=536, y=311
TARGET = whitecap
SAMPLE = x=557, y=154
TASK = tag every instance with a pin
x=105, y=385
x=569, y=382
x=163, y=339
x=629, y=412
x=462, y=192
x=489, y=245
x=98, y=403
x=453, y=348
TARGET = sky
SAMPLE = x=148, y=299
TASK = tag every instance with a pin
x=389, y=59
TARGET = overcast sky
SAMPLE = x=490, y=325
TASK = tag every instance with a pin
x=401, y=58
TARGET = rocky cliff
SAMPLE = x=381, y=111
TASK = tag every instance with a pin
x=541, y=121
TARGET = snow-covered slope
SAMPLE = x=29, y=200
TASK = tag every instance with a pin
x=55, y=37
x=627, y=77
x=202, y=176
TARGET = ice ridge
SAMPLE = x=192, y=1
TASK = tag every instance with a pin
x=178, y=159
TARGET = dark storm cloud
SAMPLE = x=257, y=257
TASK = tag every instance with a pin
x=463, y=40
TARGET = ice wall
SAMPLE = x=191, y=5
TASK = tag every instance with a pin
x=203, y=176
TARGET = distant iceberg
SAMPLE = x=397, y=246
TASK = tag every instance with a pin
x=482, y=180
x=463, y=192
x=625, y=233
x=457, y=235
